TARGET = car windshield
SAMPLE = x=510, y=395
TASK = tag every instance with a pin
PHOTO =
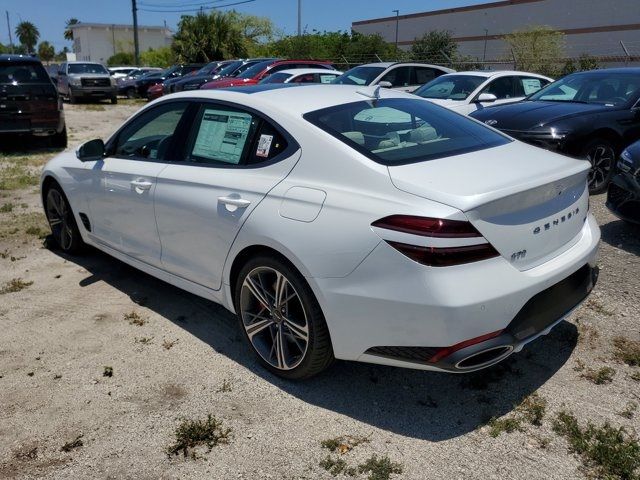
x=359, y=76
x=451, y=87
x=254, y=69
x=278, y=77
x=610, y=89
x=87, y=68
x=23, y=72
x=398, y=131
x=230, y=69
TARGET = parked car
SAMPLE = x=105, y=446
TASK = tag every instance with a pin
x=412, y=255
x=155, y=91
x=120, y=72
x=466, y=92
x=399, y=75
x=29, y=101
x=253, y=75
x=591, y=115
x=144, y=82
x=623, y=196
x=234, y=69
x=209, y=70
x=127, y=85
x=302, y=75
x=86, y=80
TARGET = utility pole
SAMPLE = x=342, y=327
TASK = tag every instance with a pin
x=299, y=17
x=9, y=28
x=484, y=55
x=397, y=12
x=136, y=45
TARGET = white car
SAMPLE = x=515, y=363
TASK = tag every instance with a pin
x=397, y=75
x=302, y=75
x=356, y=223
x=120, y=72
x=466, y=92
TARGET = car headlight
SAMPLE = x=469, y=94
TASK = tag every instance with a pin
x=114, y=82
x=75, y=81
x=626, y=164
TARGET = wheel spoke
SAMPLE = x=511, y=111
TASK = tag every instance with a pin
x=280, y=290
x=258, y=326
x=280, y=347
x=298, y=331
x=257, y=291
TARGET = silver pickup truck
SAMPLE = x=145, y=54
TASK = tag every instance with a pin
x=86, y=80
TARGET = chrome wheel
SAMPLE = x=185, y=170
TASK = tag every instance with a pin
x=60, y=220
x=274, y=318
x=602, y=158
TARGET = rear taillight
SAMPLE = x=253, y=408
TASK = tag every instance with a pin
x=441, y=255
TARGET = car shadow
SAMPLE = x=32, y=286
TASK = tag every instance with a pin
x=418, y=404
x=26, y=146
x=622, y=235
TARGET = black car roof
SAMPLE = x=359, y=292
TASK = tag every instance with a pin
x=9, y=57
x=632, y=70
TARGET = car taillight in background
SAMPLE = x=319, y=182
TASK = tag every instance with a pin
x=441, y=255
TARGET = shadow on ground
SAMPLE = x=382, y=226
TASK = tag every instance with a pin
x=622, y=235
x=425, y=405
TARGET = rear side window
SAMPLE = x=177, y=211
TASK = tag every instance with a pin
x=23, y=72
x=401, y=131
x=526, y=86
x=399, y=77
x=422, y=75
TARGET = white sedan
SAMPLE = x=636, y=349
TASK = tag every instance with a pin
x=466, y=92
x=356, y=223
x=302, y=75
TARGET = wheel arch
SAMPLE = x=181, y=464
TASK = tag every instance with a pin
x=47, y=182
x=610, y=135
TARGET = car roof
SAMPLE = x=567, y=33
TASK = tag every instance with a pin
x=393, y=64
x=10, y=57
x=632, y=70
x=81, y=61
x=496, y=73
x=292, y=99
x=304, y=71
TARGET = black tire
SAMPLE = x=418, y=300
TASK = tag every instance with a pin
x=318, y=354
x=62, y=222
x=602, y=155
x=114, y=100
x=72, y=98
x=131, y=93
x=59, y=140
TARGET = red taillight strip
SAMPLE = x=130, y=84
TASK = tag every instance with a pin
x=428, y=227
x=447, y=256
x=446, y=351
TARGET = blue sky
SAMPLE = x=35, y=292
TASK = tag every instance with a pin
x=50, y=15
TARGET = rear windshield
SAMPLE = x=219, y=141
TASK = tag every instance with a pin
x=23, y=72
x=254, y=69
x=450, y=87
x=87, y=68
x=359, y=76
x=399, y=131
x=278, y=77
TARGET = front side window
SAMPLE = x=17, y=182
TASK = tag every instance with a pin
x=401, y=131
x=422, y=75
x=503, y=88
x=87, y=68
x=359, y=76
x=450, y=87
x=149, y=135
x=597, y=88
x=22, y=72
x=306, y=78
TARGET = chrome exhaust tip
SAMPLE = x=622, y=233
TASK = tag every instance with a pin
x=484, y=358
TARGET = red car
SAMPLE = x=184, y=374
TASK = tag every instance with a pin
x=253, y=75
x=155, y=91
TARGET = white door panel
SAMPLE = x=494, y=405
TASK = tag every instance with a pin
x=200, y=209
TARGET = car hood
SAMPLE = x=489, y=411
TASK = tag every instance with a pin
x=231, y=82
x=530, y=114
x=90, y=75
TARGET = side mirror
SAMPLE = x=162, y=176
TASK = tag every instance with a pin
x=486, y=97
x=385, y=84
x=91, y=150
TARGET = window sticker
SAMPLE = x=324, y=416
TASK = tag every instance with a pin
x=222, y=135
x=326, y=78
x=531, y=85
x=264, y=145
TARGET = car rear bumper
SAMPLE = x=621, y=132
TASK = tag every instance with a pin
x=39, y=125
x=391, y=302
x=623, y=197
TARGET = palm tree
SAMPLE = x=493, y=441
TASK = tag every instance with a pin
x=28, y=35
x=68, y=32
x=46, y=52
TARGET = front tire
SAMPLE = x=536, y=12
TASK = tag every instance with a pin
x=114, y=100
x=281, y=319
x=602, y=155
x=64, y=228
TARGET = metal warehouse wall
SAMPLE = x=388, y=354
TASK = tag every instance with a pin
x=595, y=27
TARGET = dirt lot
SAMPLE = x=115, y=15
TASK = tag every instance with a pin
x=100, y=364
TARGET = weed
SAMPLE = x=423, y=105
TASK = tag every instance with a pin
x=36, y=232
x=15, y=285
x=16, y=176
x=107, y=372
x=379, y=468
x=344, y=443
x=629, y=411
x=134, y=318
x=93, y=107
x=27, y=453
x=579, y=366
x=193, y=433
x=611, y=452
x=587, y=334
x=226, y=386
x=30, y=374
x=24, y=205
x=167, y=344
x=77, y=443
x=596, y=306
x=627, y=351
x=600, y=376
x=533, y=409
x=144, y=340
x=336, y=466
x=506, y=425
x=57, y=377
x=6, y=208
x=4, y=254
x=635, y=376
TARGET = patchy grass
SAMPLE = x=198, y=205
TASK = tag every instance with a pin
x=635, y=376
x=76, y=443
x=587, y=334
x=610, y=452
x=144, y=340
x=15, y=176
x=168, y=344
x=92, y=107
x=15, y=285
x=533, y=409
x=627, y=351
x=594, y=305
x=504, y=425
x=599, y=377
x=379, y=468
x=32, y=223
x=134, y=318
x=344, y=443
x=107, y=372
x=336, y=466
x=629, y=411
x=225, y=387
x=194, y=433
x=6, y=208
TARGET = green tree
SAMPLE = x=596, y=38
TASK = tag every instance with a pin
x=68, y=32
x=121, y=58
x=159, y=57
x=28, y=35
x=46, y=52
x=208, y=37
x=61, y=56
x=537, y=49
x=437, y=46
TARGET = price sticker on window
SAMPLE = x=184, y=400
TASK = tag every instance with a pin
x=264, y=145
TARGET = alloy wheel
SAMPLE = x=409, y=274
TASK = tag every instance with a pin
x=274, y=318
x=59, y=216
x=602, y=158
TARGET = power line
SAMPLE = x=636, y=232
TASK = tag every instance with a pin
x=184, y=10
x=179, y=4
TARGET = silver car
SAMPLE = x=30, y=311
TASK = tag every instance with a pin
x=88, y=80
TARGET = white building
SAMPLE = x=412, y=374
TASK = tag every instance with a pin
x=96, y=42
x=599, y=28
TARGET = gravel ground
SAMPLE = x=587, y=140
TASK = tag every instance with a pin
x=187, y=360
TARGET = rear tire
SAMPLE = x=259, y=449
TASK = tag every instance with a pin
x=114, y=100
x=289, y=335
x=131, y=93
x=602, y=155
x=59, y=140
x=62, y=222
x=72, y=98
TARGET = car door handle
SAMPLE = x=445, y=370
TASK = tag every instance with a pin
x=235, y=202
x=141, y=184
